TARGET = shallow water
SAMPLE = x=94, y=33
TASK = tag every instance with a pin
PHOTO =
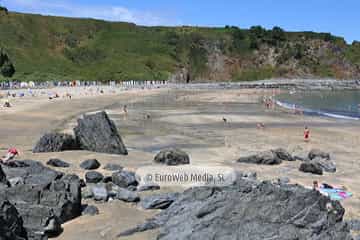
x=339, y=104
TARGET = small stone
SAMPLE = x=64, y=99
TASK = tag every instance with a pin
x=90, y=210
x=93, y=177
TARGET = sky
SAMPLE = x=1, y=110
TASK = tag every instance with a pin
x=339, y=17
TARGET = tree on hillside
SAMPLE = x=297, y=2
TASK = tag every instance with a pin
x=7, y=69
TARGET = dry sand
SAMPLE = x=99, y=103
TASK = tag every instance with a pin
x=188, y=119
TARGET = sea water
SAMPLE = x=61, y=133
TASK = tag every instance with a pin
x=343, y=104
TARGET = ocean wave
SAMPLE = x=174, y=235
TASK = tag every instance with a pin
x=313, y=112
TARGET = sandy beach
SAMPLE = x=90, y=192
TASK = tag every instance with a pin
x=191, y=120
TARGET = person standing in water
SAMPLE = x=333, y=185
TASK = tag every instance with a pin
x=306, y=134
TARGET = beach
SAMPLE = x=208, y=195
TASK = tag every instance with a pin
x=190, y=119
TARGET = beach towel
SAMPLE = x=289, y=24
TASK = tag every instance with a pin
x=335, y=194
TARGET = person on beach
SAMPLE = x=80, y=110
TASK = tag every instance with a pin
x=260, y=126
x=11, y=154
x=306, y=134
x=7, y=103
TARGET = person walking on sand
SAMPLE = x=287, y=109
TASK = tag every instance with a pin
x=11, y=154
x=306, y=134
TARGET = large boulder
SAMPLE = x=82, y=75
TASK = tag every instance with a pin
x=93, y=177
x=97, y=133
x=45, y=200
x=311, y=167
x=56, y=142
x=11, y=224
x=172, y=156
x=90, y=164
x=326, y=165
x=250, y=210
x=267, y=158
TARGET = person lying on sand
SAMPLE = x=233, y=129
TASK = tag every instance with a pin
x=11, y=154
x=260, y=126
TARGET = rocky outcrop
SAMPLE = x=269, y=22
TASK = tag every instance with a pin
x=93, y=177
x=311, y=167
x=45, y=199
x=271, y=157
x=172, y=156
x=158, y=201
x=250, y=210
x=97, y=133
x=56, y=142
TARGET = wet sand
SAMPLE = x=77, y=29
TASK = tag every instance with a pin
x=191, y=120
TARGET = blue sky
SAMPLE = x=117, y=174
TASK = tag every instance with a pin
x=340, y=17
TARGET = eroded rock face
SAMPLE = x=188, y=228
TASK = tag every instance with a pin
x=45, y=199
x=172, y=156
x=56, y=142
x=250, y=210
x=97, y=133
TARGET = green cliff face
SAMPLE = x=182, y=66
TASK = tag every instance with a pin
x=55, y=48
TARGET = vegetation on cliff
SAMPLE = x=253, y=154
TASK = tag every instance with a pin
x=56, y=48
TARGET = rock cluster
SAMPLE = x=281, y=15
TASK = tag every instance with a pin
x=317, y=162
x=270, y=157
x=250, y=210
x=44, y=198
x=94, y=132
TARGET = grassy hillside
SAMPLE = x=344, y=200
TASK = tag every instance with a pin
x=55, y=48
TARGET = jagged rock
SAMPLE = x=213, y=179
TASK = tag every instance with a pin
x=172, y=156
x=127, y=196
x=148, y=187
x=90, y=164
x=113, y=167
x=57, y=163
x=11, y=224
x=45, y=200
x=283, y=154
x=246, y=210
x=93, y=177
x=311, y=167
x=314, y=153
x=56, y=142
x=96, y=132
x=90, y=210
x=267, y=157
x=158, y=201
x=124, y=179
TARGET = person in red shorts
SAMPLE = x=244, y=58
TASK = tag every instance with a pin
x=306, y=134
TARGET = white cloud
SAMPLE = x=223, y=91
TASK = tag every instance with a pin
x=106, y=12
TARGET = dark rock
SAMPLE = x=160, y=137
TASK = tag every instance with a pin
x=246, y=210
x=148, y=187
x=57, y=163
x=11, y=224
x=326, y=165
x=172, y=156
x=90, y=210
x=44, y=203
x=93, y=177
x=107, y=179
x=158, y=201
x=113, y=167
x=127, y=196
x=318, y=153
x=96, y=132
x=124, y=179
x=283, y=154
x=82, y=183
x=100, y=192
x=267, y=157
x=3, y=179
x=90, y=164
x=311, y=167
x=56, y=142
